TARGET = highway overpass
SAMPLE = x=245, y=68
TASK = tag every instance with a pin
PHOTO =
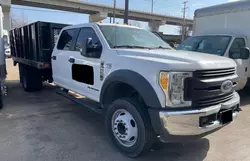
x=98, y=12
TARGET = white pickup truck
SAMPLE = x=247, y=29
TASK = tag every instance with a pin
x=224, y=30
x=145, y=89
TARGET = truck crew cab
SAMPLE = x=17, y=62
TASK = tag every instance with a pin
x=144, y=88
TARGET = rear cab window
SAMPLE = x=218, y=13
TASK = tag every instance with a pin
x=67, y=38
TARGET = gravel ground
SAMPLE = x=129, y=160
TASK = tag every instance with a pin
x=44, y=126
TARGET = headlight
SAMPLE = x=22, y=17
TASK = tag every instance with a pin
x=172, y=83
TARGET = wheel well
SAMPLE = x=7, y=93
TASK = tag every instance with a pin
x=120, y=90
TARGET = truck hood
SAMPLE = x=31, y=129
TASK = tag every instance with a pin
x=179, y=59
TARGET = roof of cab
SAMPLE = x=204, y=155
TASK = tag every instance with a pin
x=223, y=8
x=118, y=25
x=221, y=34
x=100, y=24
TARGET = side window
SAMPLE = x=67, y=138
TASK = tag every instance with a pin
x=84, y=34
x=237, y=44
x=66, y=39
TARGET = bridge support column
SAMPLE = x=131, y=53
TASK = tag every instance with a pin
x=6, y=13
x=155, y=25
x=98, y=17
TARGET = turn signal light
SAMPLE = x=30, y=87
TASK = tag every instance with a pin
x=164, y=80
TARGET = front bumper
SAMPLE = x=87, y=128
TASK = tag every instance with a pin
x=185, y=124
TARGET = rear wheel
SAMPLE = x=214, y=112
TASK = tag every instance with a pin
x=129, y=127
x=30, y=78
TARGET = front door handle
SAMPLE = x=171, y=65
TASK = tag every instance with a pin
x=54, y=57
x=71, y=60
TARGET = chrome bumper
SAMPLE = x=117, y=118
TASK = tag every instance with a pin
x=184, y=123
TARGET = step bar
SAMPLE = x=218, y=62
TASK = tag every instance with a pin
x=93, y=106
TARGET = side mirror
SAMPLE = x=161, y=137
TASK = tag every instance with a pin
x=89, y=41
x=244, y=53
x=91, y=50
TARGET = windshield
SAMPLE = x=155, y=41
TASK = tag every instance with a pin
x=118, y=36
x=207, y=44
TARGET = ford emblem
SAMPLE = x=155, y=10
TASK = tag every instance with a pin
x=226, y=86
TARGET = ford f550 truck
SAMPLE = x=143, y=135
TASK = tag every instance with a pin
x=224, y=30
x=144, y=88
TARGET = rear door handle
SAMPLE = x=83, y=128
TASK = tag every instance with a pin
x=54, y=57
x=71, y=60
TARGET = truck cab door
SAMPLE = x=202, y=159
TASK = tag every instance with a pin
x=87, y=63
x=61, y=58
x=242, y=64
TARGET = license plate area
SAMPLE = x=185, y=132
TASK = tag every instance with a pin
x=226, y=116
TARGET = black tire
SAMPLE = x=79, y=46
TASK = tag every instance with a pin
x=30, y=78
x=246, y=90
x=146, y=135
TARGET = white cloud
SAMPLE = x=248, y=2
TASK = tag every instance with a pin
x=233, y=0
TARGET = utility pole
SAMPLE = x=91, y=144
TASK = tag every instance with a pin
x=114, y=11
x=152, y=6
x=184, y=20
x=126, y=12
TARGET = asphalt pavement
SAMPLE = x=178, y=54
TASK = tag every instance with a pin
x=43, y=126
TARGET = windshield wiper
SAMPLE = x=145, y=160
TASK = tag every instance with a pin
x=131, y=46
x=161, y=47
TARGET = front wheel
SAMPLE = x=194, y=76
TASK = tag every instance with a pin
x=129, y=127
x=246, y=90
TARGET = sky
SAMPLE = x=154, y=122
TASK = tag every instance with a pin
x=166, y=7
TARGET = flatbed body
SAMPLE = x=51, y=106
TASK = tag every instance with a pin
x=33, y=44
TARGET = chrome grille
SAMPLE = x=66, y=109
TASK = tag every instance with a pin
x=215, y=73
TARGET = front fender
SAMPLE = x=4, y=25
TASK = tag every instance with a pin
x=137, y=81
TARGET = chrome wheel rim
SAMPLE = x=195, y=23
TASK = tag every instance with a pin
x=124, y=128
